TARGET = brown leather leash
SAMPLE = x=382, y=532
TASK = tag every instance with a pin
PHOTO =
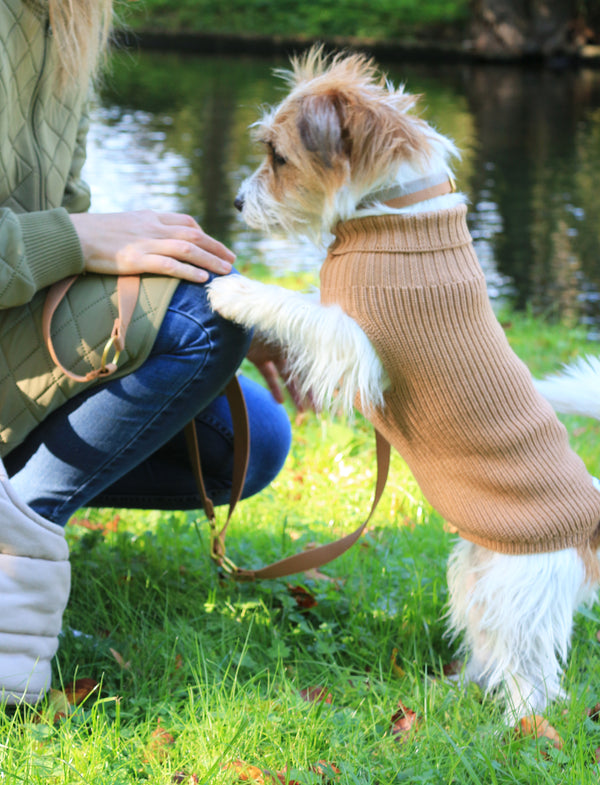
x=127, y=294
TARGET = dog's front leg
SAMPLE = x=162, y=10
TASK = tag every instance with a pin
x=328, y=353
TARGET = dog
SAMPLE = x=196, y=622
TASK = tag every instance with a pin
x=405, y=332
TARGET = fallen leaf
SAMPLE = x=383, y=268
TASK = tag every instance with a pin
x=326, y=770
x=452, y=668
x=160, y=743
x=403, y=721
x=245, y=772
x=77, y=691
x=304, y=599
x=316, y=695
x=183, y=777
x=395, y=667
x=58, y=705
x=594, y=713
x=538, y=727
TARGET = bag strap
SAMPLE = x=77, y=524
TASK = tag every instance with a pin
x=128, y=287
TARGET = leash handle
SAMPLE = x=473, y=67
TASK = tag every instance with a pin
x=128, y=287
x=317, y=557
x=299, y=562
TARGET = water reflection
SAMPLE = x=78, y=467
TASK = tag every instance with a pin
x=170, y=133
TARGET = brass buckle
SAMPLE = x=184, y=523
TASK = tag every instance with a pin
x=103, y=362
x=217, y=551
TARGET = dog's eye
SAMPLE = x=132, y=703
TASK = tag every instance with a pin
x=278, y=160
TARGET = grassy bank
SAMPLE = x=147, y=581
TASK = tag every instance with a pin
x=382, y=19
x=196, y=674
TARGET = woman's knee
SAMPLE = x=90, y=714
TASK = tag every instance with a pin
x=192, y=330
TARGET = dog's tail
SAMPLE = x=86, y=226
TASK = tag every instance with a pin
x=576, y=390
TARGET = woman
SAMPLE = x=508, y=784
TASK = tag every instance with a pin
x=116, y=442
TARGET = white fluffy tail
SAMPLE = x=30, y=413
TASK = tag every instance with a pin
x=576, y=390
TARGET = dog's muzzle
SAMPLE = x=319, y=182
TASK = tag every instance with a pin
x=238, y=203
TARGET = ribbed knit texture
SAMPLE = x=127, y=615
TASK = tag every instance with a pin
x=488, y=452
x=45, y=235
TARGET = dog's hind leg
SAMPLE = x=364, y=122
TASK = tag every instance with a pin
x=516, y=616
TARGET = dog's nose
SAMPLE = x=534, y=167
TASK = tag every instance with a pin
x=239, y=203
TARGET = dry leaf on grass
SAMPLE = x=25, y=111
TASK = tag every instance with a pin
x=186, y=779
x=594, y=713
x=536, y=726
x=316, y=695
x=77, y=691
x=452, y=668
x=58, y=705
x=160, y=743
x=304, y=599
x=403, y=721
x=328, y=771
x=245, y=772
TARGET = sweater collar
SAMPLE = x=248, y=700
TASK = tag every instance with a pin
x=403, y=233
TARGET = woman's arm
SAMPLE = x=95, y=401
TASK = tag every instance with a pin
x=36, y=249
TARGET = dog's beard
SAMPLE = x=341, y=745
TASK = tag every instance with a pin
x=299, y=214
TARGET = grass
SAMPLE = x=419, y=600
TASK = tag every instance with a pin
x=382, y=19
x=196, y=673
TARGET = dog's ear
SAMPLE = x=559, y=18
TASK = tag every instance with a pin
x=321, y=127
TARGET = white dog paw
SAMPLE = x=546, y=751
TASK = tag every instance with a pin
x=227, y=294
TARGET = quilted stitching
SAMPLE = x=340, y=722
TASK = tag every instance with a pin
x=41, y=154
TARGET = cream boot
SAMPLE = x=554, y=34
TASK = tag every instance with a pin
x=35, y=579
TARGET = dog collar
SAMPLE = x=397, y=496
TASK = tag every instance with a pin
x=412, y=193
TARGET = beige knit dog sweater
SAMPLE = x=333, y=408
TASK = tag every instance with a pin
x=487, y=450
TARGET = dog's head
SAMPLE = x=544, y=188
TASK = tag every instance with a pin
x=342, y=132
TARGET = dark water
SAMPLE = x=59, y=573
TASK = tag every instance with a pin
x=170, y=132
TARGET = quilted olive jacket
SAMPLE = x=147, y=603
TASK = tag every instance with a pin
x=42, y=151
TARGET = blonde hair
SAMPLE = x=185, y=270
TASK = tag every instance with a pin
x=81, y=29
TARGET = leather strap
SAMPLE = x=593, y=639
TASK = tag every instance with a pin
x=419, y=191
x=406, y=200
x=241, y=454
x=300, y=562
x=128, y=287
x=317, y=557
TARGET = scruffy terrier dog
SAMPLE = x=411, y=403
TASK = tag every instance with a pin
x=405, y=332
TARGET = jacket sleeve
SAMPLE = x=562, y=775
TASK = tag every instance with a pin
x=39, y=248
x=36, y=250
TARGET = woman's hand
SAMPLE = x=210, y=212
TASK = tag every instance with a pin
x=148, y=242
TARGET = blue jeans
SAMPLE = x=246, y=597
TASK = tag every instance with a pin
x=119, y=444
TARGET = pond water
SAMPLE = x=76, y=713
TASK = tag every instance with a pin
x=169, y=132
